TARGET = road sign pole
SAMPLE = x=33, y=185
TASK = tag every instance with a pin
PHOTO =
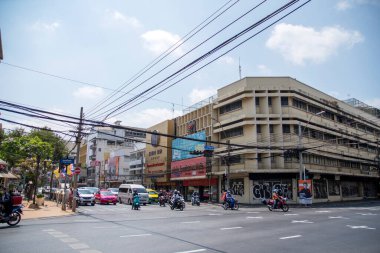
x=74, y=203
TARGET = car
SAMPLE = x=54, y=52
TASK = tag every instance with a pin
x=126, y=193
x=153, y=196
x=93, y=190
x=85, y=197
x=105, y=197
x=115, y=191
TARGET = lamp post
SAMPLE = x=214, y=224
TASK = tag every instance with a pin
x=300, y=145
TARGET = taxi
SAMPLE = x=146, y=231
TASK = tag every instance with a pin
x=153, y=196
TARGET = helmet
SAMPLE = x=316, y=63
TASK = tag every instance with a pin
x=275, y=191
x=135, y=190
x=228, y=191
x=175, y=191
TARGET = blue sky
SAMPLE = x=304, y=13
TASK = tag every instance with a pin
x=99, y=45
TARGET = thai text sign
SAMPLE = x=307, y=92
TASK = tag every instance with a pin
x=195, y=167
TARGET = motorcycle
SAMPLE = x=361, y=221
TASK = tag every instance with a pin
x=136, y=203
x=162, y=201
x=14, y=217
x=195, y=201
x=281, y=204
x=179, y=205
x=234, y=206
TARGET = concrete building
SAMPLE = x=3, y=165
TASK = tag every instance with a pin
x=137, y=164
x=108, y=157
x=262, y=118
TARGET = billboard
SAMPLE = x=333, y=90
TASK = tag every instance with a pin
x=190, y=168
x=305, y=191
x=181, y=147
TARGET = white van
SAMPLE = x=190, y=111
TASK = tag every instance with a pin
x=126, y=193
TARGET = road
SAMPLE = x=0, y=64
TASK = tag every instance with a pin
x=208, y=228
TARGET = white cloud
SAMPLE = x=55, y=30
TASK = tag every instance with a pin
x=50, y=27
x=297, y=43
x=117, y=16
x=264, y=70
x=150, y=117
x=158, y=41
x=89, y=92
x=226, y=60
x=375, y=102
x=198, y=95
x=343, y=5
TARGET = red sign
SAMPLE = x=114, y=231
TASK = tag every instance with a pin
x=200, y=182
x=77, y=170
x=194, y=167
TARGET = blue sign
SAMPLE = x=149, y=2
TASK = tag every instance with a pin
x=209, y=147
x=182, y=147
x=66, y=161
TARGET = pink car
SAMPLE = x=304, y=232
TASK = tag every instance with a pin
x=105, y=197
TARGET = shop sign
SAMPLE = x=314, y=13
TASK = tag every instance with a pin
x=194, y=167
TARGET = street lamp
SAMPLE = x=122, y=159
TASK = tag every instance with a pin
x=300, y=145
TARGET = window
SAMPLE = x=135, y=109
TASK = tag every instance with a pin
x=299, y=104
x=232, y=159
x=230, y=107
x=284, y=101
x=271, y=130
x=258, y=129
x=286, y=129
x=269, y=101
x=232, y=132
x=257, y=100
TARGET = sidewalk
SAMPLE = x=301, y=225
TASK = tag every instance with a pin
x=50, y=209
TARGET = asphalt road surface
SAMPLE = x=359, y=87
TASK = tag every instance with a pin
x=208, y=228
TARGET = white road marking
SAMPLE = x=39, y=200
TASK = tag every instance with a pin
x=362, y=227
x=106, y=227
x=253, y=212
x=254, y=217
x=214, y=214
x=191, y=251
x=230, y=228
x=85, y=220
x=49, y=230
x=79, y=246
x=189, y=222
x=69, y=239
x=290, y=237
x=323, y=211
x=338, y=217
x=60, y=235
x=367, y=214
x=123, y=236
x=90, y=251
x=290, y=214
x=301, y=221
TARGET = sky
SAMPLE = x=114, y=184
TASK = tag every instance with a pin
x=63, y=55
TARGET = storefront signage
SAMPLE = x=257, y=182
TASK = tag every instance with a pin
x=195, y=167
x=182, y=147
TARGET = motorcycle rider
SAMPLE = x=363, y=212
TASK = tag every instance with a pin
x=194, y=196
x=5, y=201
x=175, y=198
x=275, y=198
x=230, y=199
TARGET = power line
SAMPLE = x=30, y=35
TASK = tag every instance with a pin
x=209, y=53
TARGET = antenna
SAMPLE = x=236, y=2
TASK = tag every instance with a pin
x=239, y=69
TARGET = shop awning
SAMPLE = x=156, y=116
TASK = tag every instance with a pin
x=7, y=175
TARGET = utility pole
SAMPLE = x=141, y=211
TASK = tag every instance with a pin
x=300, y=149
x=78, y=165
x=228, y=165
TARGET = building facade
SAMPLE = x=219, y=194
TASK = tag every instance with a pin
x=270, y=132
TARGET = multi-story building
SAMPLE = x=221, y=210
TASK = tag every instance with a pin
x=257, y=119
x=108, y=152
x=136, y=164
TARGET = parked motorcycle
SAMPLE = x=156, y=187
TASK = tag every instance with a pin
x=195, y=201
x=136, y=203
x=14, y=218
x=280, y=205
x=235, y=206
x=162, y=200
x=179, y=205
